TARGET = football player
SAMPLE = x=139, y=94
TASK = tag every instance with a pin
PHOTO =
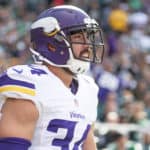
x=51, y=105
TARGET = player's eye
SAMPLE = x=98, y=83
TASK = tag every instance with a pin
x=78, y=37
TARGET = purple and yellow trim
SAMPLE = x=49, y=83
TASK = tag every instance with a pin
x=12, y=88
x=7, y=84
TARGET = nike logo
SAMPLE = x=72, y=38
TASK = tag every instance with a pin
x=18, y=71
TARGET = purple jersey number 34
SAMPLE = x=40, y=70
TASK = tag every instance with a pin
x=56, y=124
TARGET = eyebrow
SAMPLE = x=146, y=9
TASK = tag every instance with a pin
x=77, y=31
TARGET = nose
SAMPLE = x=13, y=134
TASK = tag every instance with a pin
x=85, y=45
x=86, y=37
x=87, y=41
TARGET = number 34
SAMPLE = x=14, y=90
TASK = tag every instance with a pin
x=55, y=124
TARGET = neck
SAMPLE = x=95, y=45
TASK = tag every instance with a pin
x=62, y=74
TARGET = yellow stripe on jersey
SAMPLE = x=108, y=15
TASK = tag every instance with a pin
x=12, y=88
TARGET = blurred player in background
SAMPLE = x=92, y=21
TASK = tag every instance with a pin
x=51, y=105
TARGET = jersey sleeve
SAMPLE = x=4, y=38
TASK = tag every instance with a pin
x=17, y=82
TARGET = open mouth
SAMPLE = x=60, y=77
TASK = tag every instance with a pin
x=85, y=54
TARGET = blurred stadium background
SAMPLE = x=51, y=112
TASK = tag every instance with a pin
x=123, y=121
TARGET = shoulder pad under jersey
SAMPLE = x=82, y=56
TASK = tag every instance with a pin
x=89, y=81
x=20, y=82
x=90, y=91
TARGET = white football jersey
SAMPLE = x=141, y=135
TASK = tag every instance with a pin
x=64, y=117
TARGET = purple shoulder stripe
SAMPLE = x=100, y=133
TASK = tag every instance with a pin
x=6, y=80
